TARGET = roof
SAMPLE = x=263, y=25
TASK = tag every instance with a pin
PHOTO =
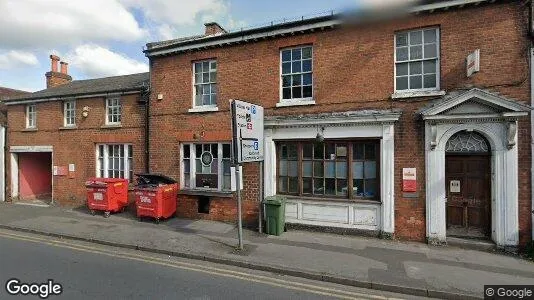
x=8, y=92
x=301, y=25
x=76, y=88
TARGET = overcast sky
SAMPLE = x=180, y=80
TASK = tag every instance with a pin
x=106, y=37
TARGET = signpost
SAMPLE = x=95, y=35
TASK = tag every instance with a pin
x=247, y=127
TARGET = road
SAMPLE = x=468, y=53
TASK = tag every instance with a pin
x=90, y=271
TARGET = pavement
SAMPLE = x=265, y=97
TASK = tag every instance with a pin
x=395, y=266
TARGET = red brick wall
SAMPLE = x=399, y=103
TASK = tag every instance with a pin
x=353, y=70
x=77, y=146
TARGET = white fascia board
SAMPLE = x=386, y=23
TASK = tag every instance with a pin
x=31, y=149
x=446, y=4
x=67, y=97
x=384, y=118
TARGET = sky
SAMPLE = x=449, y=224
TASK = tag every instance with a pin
x=100, y=38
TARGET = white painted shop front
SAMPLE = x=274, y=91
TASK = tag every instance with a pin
x=352, y=212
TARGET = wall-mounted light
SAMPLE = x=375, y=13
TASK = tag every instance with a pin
x=319, y=138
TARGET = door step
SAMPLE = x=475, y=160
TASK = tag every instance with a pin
x=471, y=244
x=40, y=203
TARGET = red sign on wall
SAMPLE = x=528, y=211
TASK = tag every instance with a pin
x=409, y=180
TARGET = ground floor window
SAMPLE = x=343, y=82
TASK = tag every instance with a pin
x=114, y=161
x=344, y=169
x=206, y=166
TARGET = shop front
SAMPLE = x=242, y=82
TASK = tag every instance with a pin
x=336, y=170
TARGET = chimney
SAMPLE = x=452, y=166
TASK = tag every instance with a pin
x=213, y=28
x=54, y=77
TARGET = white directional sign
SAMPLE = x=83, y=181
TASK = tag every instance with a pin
x=248, y=131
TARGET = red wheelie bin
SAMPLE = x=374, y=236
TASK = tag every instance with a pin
x=155, y=196
x=107, y=195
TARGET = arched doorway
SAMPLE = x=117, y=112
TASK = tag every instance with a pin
x=468, y=185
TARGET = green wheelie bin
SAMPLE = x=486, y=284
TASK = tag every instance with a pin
x=275, y=218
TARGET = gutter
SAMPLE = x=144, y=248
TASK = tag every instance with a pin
x=72, y=96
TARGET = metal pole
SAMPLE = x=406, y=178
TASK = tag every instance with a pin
x=260, y=196
x=239, y=222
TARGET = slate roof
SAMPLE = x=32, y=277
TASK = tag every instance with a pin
x=75, y=88
x=7, y=92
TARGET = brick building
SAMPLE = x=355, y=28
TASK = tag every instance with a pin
x=73, y=130
x=5, y=93
x=351, y=107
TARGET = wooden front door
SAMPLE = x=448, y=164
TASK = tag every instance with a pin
x=468, y=195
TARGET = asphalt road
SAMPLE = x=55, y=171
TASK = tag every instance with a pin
x=89, y=271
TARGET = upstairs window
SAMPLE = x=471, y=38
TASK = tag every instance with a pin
x=31, y=116
x=113, y=111
x=297, y=68
x=205, y=83
x=417, y=60
x=69, y=113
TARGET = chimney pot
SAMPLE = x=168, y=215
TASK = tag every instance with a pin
x=212, y=28
x=54, y=59
x=64, y=67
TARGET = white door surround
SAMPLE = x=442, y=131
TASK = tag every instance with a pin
x=366, y=215
x=494, y=117
x=14, y=151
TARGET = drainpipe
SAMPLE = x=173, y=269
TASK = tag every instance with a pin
x=531, y=60
x=147, y=119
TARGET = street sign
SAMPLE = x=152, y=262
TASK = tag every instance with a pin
x=247, y=120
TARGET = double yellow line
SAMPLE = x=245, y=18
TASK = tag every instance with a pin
x=283, y=283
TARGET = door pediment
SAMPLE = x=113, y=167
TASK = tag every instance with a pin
x=474, y=104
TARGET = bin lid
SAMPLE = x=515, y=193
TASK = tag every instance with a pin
x=274, y=200
x=154, y=178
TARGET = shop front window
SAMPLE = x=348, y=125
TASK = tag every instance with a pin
x=333, y=169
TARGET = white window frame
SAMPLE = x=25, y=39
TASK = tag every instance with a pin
x=69, y=113
x=438, y=61
x=192, y=164
x=31, y=116
x=111, y=103
x=302, y=99
x=102, y=167
x=207, y=107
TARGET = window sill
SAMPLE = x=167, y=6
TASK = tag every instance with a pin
x=68, y=127
x=415, y=94
x=285, y=103
x=203, y=109
x=29, y=129
x=199, y=192
x=111, y=126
